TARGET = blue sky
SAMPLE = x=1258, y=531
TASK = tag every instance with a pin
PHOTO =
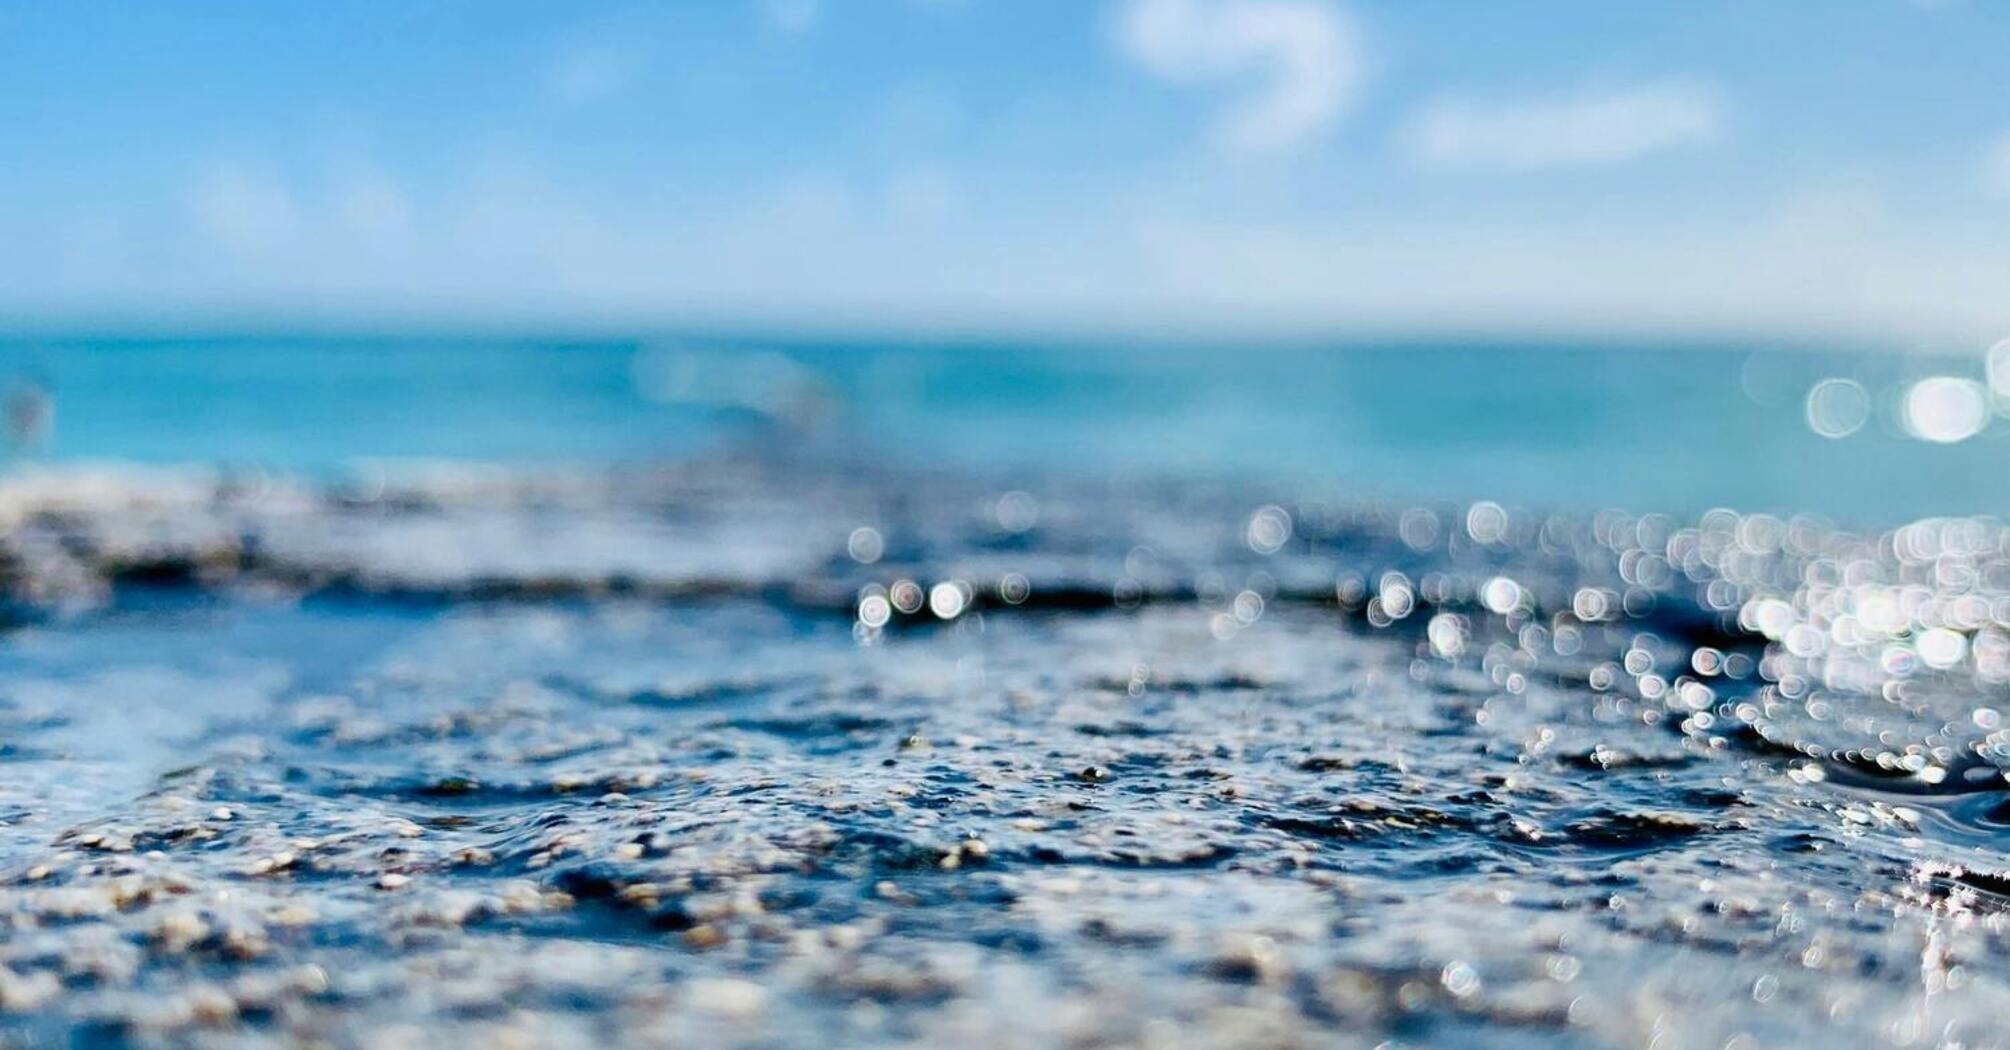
x=1813, y=168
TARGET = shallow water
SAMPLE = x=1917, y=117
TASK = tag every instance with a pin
x=668, y=756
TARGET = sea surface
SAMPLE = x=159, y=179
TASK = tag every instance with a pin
x=1677, y=428
x=387, y=693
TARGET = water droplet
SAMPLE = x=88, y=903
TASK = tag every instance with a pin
x=865, y=546
x=1269, y=529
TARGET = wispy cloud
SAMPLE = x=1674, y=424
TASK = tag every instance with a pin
x=791, y=16
x=508, y=239
x=1306, y=53
x=921, y=195
x=246, y=210
x=1586, y=130
x=257, y=219
x=1824, y=258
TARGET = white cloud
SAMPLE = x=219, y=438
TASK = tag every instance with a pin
x=248, y=211
x=1306, y=52
x=506, y=239
x=1835, y=258
x=1607, y=127
x=255, y=221
x=791, y=16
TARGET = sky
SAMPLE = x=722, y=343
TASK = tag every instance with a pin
x=1822, y=169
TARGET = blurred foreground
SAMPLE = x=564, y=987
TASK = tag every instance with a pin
x=752, y=751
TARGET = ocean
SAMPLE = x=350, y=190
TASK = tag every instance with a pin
x=1675, y=428
x=686, y=692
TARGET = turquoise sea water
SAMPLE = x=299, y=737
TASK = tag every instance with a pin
x=1668, y=428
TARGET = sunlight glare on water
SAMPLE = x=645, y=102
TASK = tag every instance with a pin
x=1837, y=408
x=1946, y=409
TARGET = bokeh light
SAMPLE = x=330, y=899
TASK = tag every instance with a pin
x=1837, y=408
x=1946, y=409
